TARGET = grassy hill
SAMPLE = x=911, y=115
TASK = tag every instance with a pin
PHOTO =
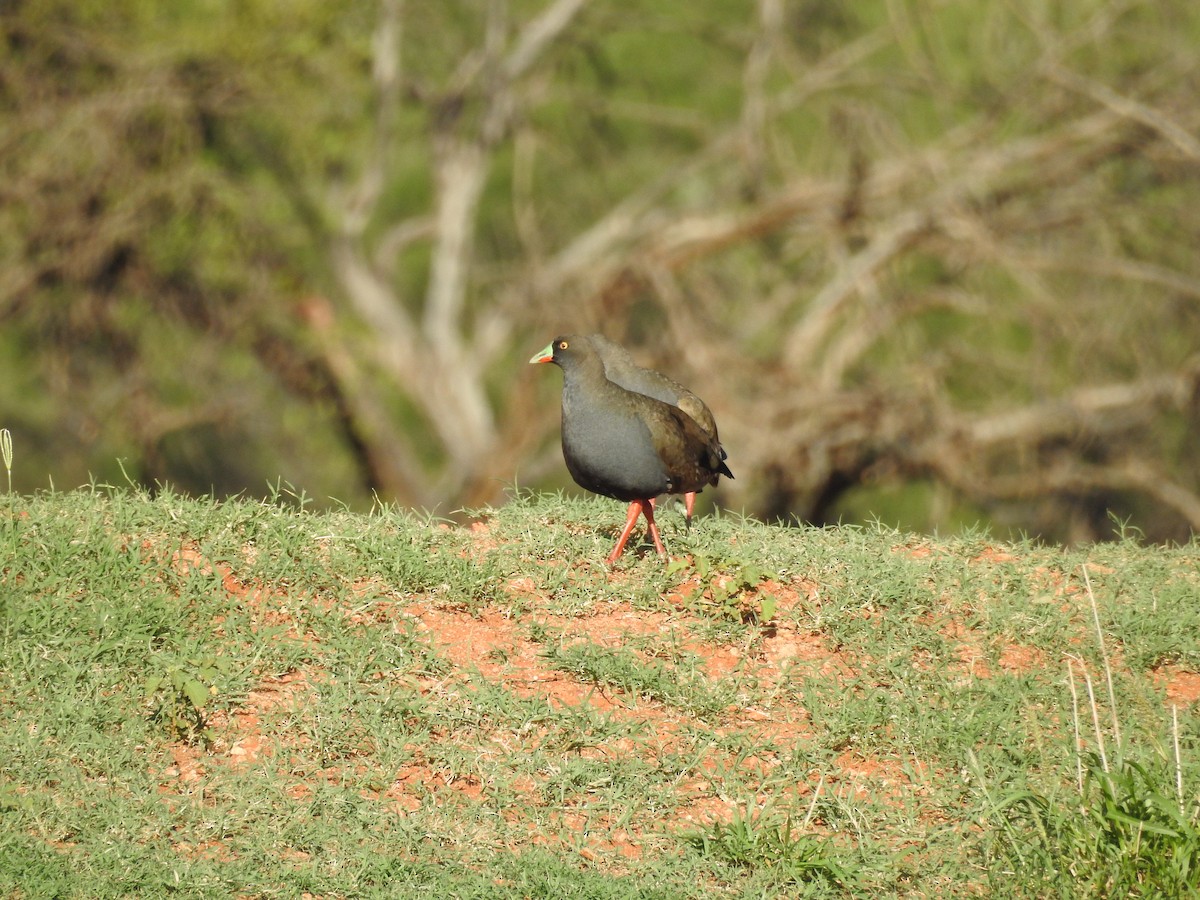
x=239, y=698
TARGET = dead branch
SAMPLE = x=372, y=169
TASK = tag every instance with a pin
x=441, y=359
x=1127, y=107
x=1092, y=409
x=1071, y=477
x=537, y=36
x=821, y=314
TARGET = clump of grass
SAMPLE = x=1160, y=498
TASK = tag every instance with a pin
x=1125, y=834
x=625, y=670
x=769, y=841
x=1127, y=831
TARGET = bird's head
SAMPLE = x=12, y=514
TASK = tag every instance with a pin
x=564, y=351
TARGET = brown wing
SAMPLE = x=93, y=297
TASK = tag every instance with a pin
x=699, y=411
x=691, y=456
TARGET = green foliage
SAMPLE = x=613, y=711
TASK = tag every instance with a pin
x=154, y=209
x=193, y=181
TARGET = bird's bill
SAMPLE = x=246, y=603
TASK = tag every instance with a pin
x=545, y=355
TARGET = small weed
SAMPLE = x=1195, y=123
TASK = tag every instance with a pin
x=539, y=633
x=732, y=583
x=498, y=654
x=180, y=692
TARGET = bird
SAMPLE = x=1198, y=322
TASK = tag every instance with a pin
x=620, y=368
x=627, y=445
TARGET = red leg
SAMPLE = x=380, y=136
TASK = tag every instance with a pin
x=689, y=503
x=648, y=510
x=635, y=509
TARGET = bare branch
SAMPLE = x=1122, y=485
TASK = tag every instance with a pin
x=1127, y=107
x=1149, y=478
x=399, y=236
x=539, y=34
x=1115, y=267
x=1070, y=477
x=1092, y=409
x=877, y=321
x=375, y=302
x=592, y=256
x=461, y=172
x=755, y=100
x=820, y=317
x=389, y=460
x=360, y=204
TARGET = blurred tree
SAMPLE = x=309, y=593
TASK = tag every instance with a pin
x=940, y=244
x=150, y=271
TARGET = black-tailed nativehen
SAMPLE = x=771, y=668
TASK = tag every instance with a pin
x=620, y=368
x=624, y=444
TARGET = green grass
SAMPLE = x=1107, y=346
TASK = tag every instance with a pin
x=214, y=698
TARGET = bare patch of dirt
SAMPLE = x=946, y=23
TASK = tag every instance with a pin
x=1182, y=687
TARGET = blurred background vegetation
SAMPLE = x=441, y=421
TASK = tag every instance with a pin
x=933, y=261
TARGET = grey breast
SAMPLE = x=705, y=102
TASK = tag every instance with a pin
x=609, y=449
